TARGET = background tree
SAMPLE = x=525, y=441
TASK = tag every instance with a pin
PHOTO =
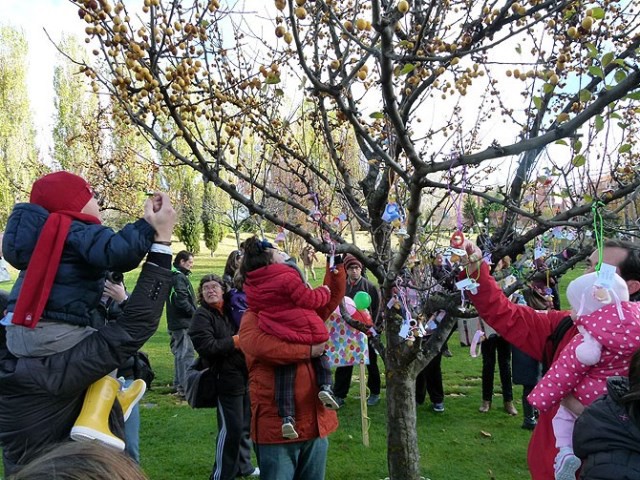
x=18, y=153
x=444, y=99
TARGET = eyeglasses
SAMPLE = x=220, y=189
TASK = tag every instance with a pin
x=211, y=288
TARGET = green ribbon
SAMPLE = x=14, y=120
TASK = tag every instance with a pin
x=598, y=230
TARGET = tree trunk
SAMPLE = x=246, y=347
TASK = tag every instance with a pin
x=403, y=454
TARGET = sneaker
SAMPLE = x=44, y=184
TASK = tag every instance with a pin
x=373, y=400
x=288, y=428
x=340, y=401
x=529, y=424
x=447, y=353
x=253, y=473
x=438, y=407
x=566, y=465
x=328, y=399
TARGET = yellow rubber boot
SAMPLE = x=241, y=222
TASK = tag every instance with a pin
x=93, y=421
x=130, y=396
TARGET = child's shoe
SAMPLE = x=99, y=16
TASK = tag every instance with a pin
x=566, y=464
x=327, y=398
x=288, y=428
x=93, y=421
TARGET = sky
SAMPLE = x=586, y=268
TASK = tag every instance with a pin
x=33, y=17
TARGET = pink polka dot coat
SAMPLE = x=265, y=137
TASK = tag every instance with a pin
x=619, y=339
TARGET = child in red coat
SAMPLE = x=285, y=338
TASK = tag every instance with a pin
x=286, y=308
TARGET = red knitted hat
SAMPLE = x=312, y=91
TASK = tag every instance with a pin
x=350, y=260
x=61, y=191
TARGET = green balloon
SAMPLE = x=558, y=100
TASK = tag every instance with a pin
x=362, y=300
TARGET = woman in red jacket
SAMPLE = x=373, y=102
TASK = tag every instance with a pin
x=540, y=334
x=286, y=309
x=306, y=456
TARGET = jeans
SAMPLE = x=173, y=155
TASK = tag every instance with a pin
x=183, y=356
x=132, y=429
x=293, y=461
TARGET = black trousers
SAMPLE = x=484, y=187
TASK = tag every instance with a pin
x=233, y=447
x=343, y=376
x=490, y=347
x=429, y=380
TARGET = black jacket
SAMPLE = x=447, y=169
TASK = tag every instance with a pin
x=212, y=336
x=89, y=252
x=181, y=304
x=40, y=398
x=607, y=439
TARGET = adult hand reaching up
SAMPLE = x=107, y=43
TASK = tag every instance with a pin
x=161, y=215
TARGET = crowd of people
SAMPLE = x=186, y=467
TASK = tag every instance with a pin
x=260, y=330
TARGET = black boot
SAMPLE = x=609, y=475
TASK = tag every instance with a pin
x=528, y=411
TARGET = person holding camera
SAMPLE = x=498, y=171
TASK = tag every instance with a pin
x=63, y=252
x=181, y=305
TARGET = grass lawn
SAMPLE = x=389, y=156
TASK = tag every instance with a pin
x=177, y=442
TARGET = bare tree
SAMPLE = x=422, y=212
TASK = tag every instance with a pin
x=529, y=106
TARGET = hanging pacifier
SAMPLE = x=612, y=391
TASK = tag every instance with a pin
x=601, y=294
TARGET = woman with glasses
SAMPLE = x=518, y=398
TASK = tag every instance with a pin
x=215, y=338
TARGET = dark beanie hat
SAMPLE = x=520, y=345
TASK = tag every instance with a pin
x=350, y=260
x=61, y=191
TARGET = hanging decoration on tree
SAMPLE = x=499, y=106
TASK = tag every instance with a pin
x=605, y=272
x=315, y=215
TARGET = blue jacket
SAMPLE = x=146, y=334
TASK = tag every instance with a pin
x=89, y=252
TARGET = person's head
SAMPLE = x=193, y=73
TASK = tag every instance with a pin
x=585, y=297
x=211, y=290
x=353, y=267
x=259, y=253
x=80, y=461
x=64, y=191
x=625, y=256
x=233, y=262
x=184, y=260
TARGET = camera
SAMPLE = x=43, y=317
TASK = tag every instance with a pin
x=115, y=277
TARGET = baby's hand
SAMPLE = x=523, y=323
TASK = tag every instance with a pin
x=327, y=287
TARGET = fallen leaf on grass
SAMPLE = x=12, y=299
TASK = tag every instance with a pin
x=485, y=434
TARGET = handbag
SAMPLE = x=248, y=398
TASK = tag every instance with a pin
x=200, y=388
x=142, y=368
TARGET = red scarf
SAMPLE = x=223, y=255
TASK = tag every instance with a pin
x=42, y=268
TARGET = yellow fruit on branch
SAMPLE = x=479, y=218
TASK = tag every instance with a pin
x=403, y=6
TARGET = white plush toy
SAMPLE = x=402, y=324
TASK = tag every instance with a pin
x=586, y=295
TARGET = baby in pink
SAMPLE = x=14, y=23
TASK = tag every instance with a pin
x=609, y=328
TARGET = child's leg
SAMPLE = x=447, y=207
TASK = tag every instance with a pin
x=285, y=376
x=563, y=423
x=566, y=463
x=322, y=367
x=48, y=338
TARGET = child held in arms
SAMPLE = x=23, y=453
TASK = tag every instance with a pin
x=286, y=308
x=609, y=328
x=63, y=253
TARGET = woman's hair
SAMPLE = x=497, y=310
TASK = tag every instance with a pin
x=80, y=461
x=212, y=277
x=230, y=267
x=632, y=399
x=257, y=254
x=181, y=256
